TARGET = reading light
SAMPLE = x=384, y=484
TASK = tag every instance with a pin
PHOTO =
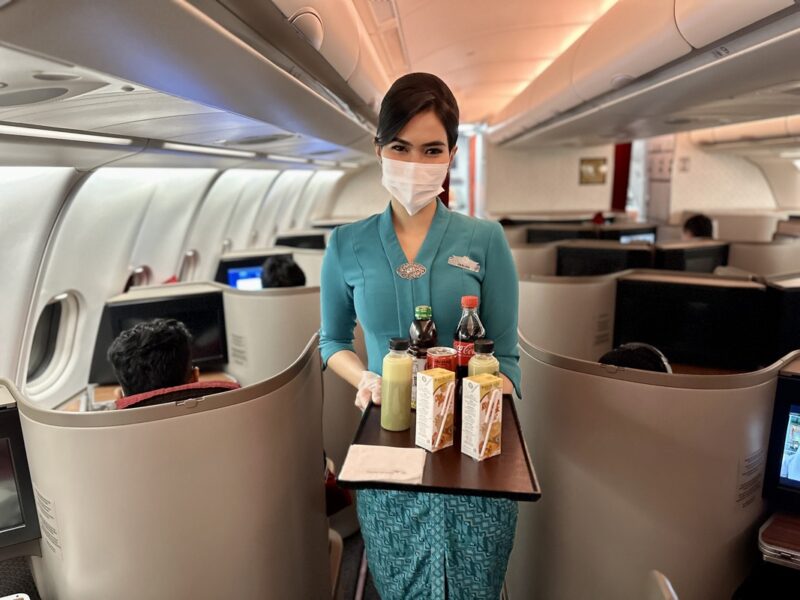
x=291, y=159
x=70, y=136
x=207, y=150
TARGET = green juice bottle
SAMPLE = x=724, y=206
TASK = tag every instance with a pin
x=483, y=361
x=396, y=386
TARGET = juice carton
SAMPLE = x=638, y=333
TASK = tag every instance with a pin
x=435, y=408
x=482, y=416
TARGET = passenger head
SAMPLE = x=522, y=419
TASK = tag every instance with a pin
x=280, y=270
x=418, y=120
x=151, y=356
x=637, y=355
x=698, y=226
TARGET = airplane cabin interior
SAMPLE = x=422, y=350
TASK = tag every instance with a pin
x=212, y=166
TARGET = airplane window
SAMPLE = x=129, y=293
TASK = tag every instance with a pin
x=44, y=340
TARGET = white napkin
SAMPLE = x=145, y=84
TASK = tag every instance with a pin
x=383, y=463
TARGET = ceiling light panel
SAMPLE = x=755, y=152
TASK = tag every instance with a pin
x=228, y=152
x=71, y=136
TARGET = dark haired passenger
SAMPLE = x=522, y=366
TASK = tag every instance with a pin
x=637, y=355
x=280, y=270
x=698, y=227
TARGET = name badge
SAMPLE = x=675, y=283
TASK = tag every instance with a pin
x=464, y=262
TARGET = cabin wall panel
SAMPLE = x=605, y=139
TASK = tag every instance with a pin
x=784, y=180
x=544, y=180
x=212, y=223
x=319, y=191
x=29, y=206
x=359, y=195
x=241, y=228
x=708, y=181
x=90, y=258
x=175, y=200
x=279, y=202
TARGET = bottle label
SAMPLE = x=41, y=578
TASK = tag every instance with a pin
x=464, y=351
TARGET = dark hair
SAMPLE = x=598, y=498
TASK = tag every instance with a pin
x=410, y=95
x=637, y=355
x=280, y=270
x=151, y=356
x=699, y=226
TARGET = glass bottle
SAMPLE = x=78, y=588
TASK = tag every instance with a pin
x=423, y=336
x=483, y=360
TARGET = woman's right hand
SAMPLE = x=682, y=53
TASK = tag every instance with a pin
x=369, y=388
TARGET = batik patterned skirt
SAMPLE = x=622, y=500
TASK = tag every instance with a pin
x=414, y=541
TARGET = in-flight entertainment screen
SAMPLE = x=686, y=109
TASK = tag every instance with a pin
x=790, y=463
x=245, y=278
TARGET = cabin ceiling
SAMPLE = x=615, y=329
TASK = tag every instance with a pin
x=486, y=51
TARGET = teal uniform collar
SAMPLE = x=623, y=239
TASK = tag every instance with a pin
x=433, y=239
x=419, y=287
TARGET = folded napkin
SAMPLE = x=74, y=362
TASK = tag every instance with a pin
x=383, y=463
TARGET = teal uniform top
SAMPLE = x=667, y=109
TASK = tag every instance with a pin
x=360, y=281
x=422, y=545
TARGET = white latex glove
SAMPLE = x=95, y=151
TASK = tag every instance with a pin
x=369, y=388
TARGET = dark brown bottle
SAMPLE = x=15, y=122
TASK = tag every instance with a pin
x=423, y=336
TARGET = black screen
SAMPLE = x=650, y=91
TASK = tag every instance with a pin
x=10, y=507
x=18, y=522
x=203, y=315
x=314, y=241
x=576, y=261
x=784, y=309
x=694, y=324
x=701, y=259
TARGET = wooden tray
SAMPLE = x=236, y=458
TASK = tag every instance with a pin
x=448, y=471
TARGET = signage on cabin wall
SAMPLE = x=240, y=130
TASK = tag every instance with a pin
x=593, y=171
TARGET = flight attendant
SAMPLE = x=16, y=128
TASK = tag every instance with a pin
x=376, y=271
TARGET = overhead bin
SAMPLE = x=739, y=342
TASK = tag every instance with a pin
x=702, y=22
x=547, y=96
x=740, y=132
x=638, y=47
x=633, y=38
x=336, y=31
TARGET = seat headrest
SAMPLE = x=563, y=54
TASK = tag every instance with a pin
x=176, y=393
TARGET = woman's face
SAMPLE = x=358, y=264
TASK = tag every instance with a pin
x=422, y=140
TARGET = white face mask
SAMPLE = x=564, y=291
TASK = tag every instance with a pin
x=415, y=185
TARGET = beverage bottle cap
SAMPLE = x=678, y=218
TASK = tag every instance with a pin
x=469, y=302
x=484, y=346
x=423, y=312
x=399, y=344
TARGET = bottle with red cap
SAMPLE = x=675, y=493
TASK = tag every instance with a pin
x=469, y=329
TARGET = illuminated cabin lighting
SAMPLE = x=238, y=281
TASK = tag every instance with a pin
x=208, y=150
x=70, y=136
x=291, y=159
x=349, y=165
x=325, y=163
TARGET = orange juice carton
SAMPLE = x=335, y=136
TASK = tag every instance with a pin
x=435, y=409
x=481, y=416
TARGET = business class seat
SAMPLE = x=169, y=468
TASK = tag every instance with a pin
x=573, y=316
x=213, y=497
x=643, y=471
x=534, y=259
x=766, y=259
x=265, y=329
